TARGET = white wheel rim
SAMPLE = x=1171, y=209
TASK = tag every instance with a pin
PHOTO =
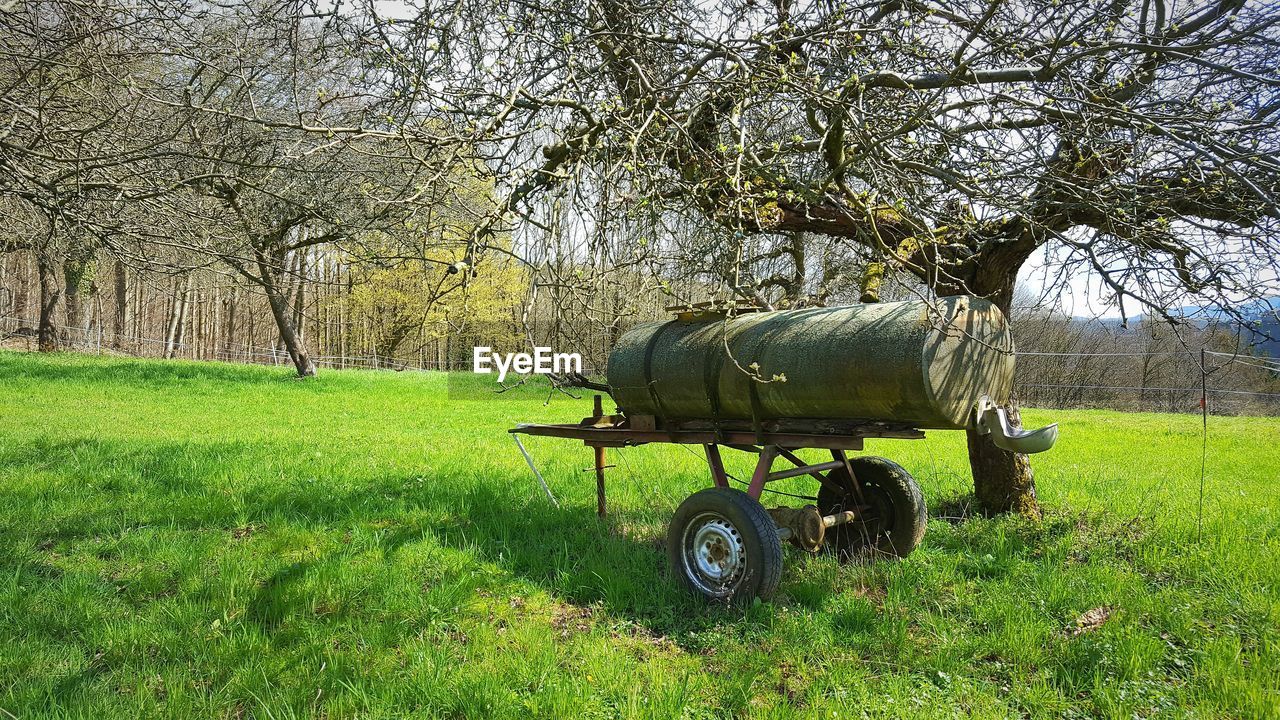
x=714, y=554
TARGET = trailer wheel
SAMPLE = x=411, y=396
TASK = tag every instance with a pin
x=894, y=520
x=724, y=545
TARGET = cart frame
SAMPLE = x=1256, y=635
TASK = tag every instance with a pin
x=601, y=432
x=769, y=446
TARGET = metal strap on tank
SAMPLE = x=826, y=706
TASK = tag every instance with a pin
x=756, y=410
x=711, y=378
x=649, y=348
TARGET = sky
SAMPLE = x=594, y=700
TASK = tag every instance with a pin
x=1080, y=296
x=1084, y=295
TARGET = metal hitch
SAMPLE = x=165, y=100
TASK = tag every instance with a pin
x=994, y=421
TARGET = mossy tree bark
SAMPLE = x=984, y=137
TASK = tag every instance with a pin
x=50, y=293
x=75, y=271
x=1003, y=482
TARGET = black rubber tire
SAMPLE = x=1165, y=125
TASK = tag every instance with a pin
x=761, y=567
x=897, y=516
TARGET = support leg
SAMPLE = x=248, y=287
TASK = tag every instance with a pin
x=718, y=476
x=761, y=475
x=600, y=508
x=853, y=479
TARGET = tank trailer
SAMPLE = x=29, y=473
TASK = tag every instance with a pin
x=775, y=382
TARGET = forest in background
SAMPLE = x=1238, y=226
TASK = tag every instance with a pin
x=409, y=317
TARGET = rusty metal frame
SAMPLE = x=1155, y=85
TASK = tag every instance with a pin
x=718, y=476
x=600, y=432
x=626, y=437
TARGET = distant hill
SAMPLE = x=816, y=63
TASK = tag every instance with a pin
x=1260, y=315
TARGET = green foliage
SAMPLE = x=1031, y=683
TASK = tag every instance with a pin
x=422, y=296
x=79, y=273
x=206, y=540
x=422, y=280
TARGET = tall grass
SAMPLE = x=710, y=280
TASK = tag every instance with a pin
x=206, y=540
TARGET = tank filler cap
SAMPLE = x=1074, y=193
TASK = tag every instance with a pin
x=993, y=420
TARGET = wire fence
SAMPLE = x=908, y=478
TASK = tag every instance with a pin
x=1163, y=381
x=18, y=333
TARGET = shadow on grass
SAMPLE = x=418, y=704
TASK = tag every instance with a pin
x=577, y=556
x=104, y=488
x=618, y=563
x=101, y=489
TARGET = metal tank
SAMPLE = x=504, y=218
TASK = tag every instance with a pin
x=928, y=365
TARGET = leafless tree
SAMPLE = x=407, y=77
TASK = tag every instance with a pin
x=72, y=141
x=790, y=153
x=950, y=142
x=274, y=131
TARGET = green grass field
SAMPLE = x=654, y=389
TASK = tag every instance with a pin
x=206, y=540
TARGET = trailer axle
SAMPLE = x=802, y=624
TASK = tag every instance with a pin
x=806, y=527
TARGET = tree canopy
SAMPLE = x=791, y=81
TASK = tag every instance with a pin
x=1133, y=138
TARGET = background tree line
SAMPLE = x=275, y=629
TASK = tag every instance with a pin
x=353, y=315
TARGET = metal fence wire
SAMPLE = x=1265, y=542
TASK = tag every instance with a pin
x=1165, y=381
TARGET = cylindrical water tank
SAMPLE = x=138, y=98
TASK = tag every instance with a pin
x=919, y=363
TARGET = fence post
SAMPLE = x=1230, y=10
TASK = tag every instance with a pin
x=1200, y=510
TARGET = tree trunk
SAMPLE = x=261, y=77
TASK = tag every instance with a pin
x=120, y=322
x=73, y=274
x=22, y=290
x=7, y=296
x=1002, y=481
x=230, y=324
x=299, y=297
x=184, y=310
x=50, y=293
x=141, y=317
x=268, y=275
x=289, y=334
x=174, y=337
x=213, y=338
x=97, y=318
